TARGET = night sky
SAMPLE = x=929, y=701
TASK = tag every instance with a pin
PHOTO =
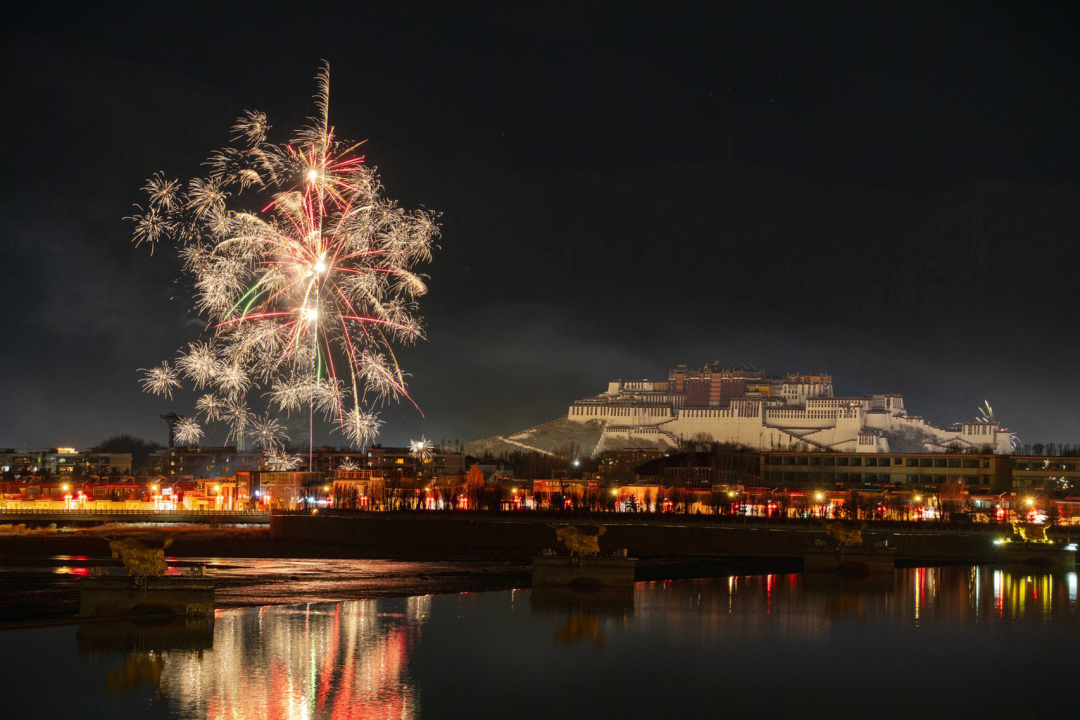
x=890, y=197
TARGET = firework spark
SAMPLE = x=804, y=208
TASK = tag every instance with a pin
x=211, y=407
x=986, y=415
x=304, y=272
x=349, y=464
x=267, y=432
x=188, y=431
x=421, y=449
x=160, y=380
x=278, y=460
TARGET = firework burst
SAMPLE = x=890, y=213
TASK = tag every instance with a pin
x=188, y=431
x=421, y=449
x=160, y=380
x=267, y=432
x=306, y=284
x=278, y=460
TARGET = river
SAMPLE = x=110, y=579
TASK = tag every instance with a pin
x=929, y=642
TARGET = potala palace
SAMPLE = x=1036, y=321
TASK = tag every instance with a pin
x=748, y=407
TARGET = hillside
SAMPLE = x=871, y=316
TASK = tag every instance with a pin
x=551, y=438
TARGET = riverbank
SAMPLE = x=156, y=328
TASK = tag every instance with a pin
x=40, y=569
x=307, y=558
x=643, y=536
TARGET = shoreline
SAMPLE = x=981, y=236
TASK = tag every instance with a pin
x=31, y=598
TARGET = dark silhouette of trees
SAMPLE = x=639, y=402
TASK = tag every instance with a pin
x=126, y=444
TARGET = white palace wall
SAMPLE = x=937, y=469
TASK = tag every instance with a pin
x=640, y=412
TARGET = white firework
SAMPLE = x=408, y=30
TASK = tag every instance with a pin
x=231, y=380
x=280, y=461
x=163, y=193
x=150, y=227
x=187, y=431
x=266, y=432
x=304, y=270
x=421, y=449
x=349, y=464
x=360, y=427
x=237, y=416
x=200, y=364
x=160, y=380
x=211, y=407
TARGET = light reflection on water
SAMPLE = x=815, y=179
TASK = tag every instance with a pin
x=953, y=636
x=340, y=660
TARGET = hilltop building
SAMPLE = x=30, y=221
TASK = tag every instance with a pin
x=748, y=407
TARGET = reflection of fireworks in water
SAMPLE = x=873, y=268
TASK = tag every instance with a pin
x=304, y=296
x=264, y=663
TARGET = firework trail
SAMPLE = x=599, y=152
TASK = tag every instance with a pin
x=986, y=415
x=306, y=283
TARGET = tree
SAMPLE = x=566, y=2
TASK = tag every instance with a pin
x=125, y=444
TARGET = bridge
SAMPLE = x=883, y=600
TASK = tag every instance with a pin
x=188, y=517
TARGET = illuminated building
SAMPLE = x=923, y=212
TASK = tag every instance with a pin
x=752, y=409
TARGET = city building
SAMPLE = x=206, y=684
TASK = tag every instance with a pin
x=62, y=461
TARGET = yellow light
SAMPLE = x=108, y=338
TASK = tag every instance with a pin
x=217, y=488
x=1030, y=502
x=312, y=175
x=819, y=497
x=918, y=498
x=311, y=314
x=326, y=488
x=614, y=491
x=64, y=487
x=320, y=267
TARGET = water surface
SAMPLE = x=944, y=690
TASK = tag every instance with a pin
x=945, y=642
